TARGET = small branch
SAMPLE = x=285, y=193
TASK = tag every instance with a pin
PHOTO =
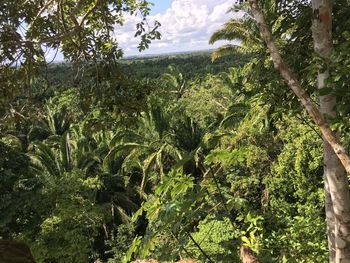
x=219, y=189
x=88, y=13
x=60, y=37
x=308, y=124
x=200, y=249
x=42, y=10
x=184, y=248
x=78, y=6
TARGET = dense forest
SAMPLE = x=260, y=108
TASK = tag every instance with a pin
x=239, y=154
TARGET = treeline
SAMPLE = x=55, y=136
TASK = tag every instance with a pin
x=192, y=65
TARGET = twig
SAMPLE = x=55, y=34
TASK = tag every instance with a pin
x=308, y=124
x=39, y=14
x=198, y=246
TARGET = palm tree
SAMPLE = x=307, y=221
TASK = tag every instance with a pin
x=76, y=150
x=174, y=80
x=148, y=147
x=158, y=143
x=242, y=30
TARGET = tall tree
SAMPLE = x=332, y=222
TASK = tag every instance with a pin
x=336, y=185
x=336, y=180
x=337, y=199
x=81, y=30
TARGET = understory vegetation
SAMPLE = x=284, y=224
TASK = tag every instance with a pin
x=172, y=157
x=157, y=167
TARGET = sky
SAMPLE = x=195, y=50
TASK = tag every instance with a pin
x=160, y=6
x=186, y=25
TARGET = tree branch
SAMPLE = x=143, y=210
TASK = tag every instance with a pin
x=296, y=87
x=42, y=10
x=89, y=12
x=200, y=249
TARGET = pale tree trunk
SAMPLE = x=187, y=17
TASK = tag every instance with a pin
x=338, y=198
x=330, y=218
x=247, y=255
x=322, y=35
x=295, y=86
x=336, y=186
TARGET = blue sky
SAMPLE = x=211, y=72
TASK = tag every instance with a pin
x=160, y=6
x=186, y=26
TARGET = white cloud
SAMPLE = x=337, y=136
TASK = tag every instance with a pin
x=186, y=25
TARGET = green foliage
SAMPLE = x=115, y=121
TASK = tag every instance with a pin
x=120, y=243
x=186, y=163
x=80, y=29
x=16, y=187
x=191, y=65
x=73, y=221
x=173, y=202
x=206, y=102
x=215, y=161
x=218, y=238
x=166, y=157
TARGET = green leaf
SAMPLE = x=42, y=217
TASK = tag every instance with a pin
x=325, y=91
x=246, y=241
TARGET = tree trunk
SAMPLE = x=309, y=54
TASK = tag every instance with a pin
x=338, y=215
x=330, y=218
x=323, y=47
x=338, y=198
x=15, y=252
x=295, y=86
x=247, y=255
x=337, y=203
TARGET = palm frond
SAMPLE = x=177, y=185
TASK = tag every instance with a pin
x=232, y=30
x=224, y=51
x=147, y=164
x=66, y=152
x=122, y=148
x=45, y=157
